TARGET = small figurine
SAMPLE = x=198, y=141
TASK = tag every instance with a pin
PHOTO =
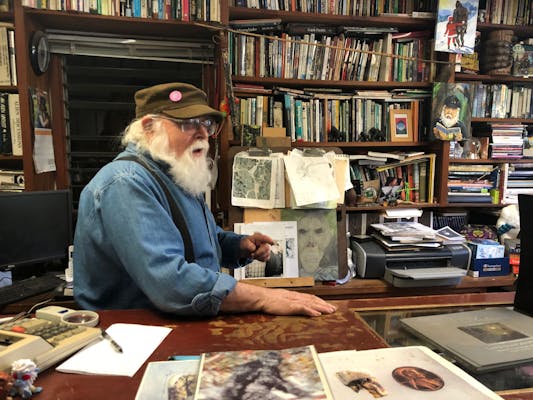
x=24, y=373
x=6, y=384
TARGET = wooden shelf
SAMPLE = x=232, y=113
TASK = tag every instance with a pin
x=490, y=160
x=519, y=30
x=85, y=22
x=403, y=23
x=299, y=83
x=361, y=288
x=364, y=145
x=491, y=78
x=504, y=120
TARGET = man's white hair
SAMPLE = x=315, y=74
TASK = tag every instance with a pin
x=193, y=175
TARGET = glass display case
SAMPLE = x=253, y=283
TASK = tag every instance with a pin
x=387, y=324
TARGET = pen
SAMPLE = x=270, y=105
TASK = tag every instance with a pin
x=114, y=344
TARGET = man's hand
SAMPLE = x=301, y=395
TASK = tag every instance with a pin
x=288, y=302
x=256, y=246
x=247, y=297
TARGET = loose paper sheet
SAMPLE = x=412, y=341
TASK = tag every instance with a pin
x=43, y=151
x=311, y=178
x=137, y=342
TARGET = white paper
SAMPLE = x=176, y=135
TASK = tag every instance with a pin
x=137, y=342
x=312, y=179
x=43, y=151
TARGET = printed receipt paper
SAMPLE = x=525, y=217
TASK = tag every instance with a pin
x=137, y=342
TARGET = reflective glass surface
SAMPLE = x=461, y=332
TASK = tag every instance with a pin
x=387, y=325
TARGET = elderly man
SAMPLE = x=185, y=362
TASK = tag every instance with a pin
x=144, y=236
x=449, y=126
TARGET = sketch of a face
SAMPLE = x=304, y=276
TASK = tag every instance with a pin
x=313, y=238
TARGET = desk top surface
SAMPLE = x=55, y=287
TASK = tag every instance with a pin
x=342, y=330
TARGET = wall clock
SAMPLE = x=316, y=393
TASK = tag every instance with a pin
x=39, y=52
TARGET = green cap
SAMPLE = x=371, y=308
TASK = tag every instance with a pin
x=176, y=100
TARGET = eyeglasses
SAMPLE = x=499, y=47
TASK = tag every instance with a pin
x=192, y=125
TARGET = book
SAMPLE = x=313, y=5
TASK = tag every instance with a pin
x=14, y=123
x=288, y=373
x=395, y=156
x=405, y=228
x=447, y=133
x=163, y=380
x=481, y=340
x=5, y=130
x=5, y=62
x=398, y=373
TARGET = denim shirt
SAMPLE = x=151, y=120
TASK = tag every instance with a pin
x=128, y=252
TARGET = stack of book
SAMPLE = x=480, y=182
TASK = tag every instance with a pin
x=471, y=183
x=508, y=140
x=518, y=179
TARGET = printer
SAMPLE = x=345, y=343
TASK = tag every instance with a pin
x=420, y=267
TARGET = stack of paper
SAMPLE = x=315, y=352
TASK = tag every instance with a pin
x=405, y=235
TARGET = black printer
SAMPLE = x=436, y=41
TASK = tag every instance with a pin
x=446, y=265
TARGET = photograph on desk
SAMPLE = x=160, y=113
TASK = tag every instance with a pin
x=293, y=373
x=317, y=242
x=398, y=373
x=283, y=261
x=169, y=380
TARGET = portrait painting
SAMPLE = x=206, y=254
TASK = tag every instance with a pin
x=451, y=111
x=317, y=242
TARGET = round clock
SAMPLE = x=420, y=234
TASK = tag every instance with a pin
x=39, y=52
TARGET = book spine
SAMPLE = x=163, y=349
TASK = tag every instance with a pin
x=14, y=123
x=5, y=133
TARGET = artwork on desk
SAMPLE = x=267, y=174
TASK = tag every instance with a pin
x=455, y=30
x=398, y=373
x=292, y=373
x=317, y=242
x=451, y=111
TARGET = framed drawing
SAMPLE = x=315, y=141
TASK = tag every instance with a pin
x=401, y=125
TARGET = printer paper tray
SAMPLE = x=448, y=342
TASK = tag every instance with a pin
x=417, y=277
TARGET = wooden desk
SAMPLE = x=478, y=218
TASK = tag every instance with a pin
x=340, y=331
x=354, y=289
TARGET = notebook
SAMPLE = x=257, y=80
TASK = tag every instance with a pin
x=493, y=338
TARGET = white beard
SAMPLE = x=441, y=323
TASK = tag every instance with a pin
x=192, y=174
x=448, y=122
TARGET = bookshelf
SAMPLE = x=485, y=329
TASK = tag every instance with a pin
x=27, y=20
x=54, y=80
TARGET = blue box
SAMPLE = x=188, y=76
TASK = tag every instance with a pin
x=490, y=267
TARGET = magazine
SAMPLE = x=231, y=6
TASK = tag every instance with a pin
x=398, y=373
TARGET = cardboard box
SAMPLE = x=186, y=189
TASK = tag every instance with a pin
x=486, y=248
x=264, y=141
x=489, y=267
